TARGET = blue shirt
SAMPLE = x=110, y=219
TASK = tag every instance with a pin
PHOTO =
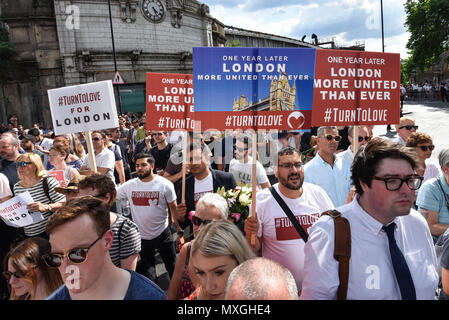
x=431, y=198
x=336, y=180
x=140, y=288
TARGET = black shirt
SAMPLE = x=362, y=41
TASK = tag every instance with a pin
x=10, y=171
x=161, y=156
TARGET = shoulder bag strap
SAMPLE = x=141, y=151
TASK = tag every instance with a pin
x=342, y=250
x=444, y=193
x=46, y=189
x=289, y=214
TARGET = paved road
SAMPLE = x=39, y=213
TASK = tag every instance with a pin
x=432, y=117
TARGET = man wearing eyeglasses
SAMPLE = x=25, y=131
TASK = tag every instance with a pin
x=363, y=138
x=275, y=232
x=104, y=158
x=327, y=170
x=80, y=238
x=404, y=129
x=392, y=252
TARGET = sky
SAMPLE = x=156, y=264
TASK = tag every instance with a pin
x=344, y=21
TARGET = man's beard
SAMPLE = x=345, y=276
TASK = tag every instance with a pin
x=144, y=175
x=290, y=186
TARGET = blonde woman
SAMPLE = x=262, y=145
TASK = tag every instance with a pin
x=34, y=179
x=27, y=274
x=218, y=249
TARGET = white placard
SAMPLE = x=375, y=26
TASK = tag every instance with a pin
x=14, y=211
x=84, y=107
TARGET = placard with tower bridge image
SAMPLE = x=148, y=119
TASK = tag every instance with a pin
x=276, y=88
x=253, y=88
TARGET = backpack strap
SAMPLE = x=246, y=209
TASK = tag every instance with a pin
x=289, y=214
x=46, y=188
x=342, y=250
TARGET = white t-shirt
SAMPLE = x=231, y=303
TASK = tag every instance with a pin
x=202, y=187
x=5, y=190
x=149, y=204
x=243, y=171
x=281, y=241
x=105, y=159
x=46, y=144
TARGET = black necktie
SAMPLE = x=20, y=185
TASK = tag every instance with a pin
x=401, y=269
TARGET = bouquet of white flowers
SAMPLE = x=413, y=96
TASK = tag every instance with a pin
x=238, y=200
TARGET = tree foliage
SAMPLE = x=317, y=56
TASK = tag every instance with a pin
x=428, y=24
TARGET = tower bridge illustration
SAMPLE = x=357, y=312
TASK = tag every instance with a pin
x=282, y=98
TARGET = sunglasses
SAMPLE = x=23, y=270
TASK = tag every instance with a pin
x=198, y=221
x=425, y=148
x=77, y=255
x=241, y=149
x=330, y=137
x=96, y=139
x=9, y=274
x=367, y=138
x=157, y=134
x=22, y=164
x=409, y=127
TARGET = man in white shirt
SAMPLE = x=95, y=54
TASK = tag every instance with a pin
x=404, y=129
x=392, y=251
x=150, y=197
x=41, y=144
x=363, y=138
x=327, y=170
x=104, y=158
x=242, y=165
x=275, y=233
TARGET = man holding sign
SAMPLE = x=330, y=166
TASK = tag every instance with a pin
x=281, y=242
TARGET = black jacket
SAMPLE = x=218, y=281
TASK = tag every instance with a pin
x=219, y=179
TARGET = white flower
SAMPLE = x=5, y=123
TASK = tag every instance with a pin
x=244, y=199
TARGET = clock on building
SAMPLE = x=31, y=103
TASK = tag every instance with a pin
x=153, y=10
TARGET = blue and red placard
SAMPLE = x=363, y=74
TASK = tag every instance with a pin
x=293, y=88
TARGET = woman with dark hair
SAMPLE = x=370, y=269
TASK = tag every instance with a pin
x=57, y=156
x=28, y=275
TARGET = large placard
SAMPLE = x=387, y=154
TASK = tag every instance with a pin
x=83, y=107
x=169, y=102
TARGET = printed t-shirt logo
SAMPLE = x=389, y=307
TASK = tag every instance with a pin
x=198, y=195
x=145, y=198
x=285, y=229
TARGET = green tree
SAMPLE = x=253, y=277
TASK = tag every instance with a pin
x=6, y=54
x=428, y=24
x=407, y=67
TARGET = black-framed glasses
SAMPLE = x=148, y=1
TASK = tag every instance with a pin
x=425, y=148
x=76, y=255
x=395, y=183
x=367, y=138
x=198, y=221
x=289, y=166
x=409, y=127
x=330, y=137
x=23, y=164
x=96, y=139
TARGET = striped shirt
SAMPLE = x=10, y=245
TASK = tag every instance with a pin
x=38, y=195
x=126, y=241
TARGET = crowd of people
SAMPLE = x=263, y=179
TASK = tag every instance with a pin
x=427, y=90
x=102, y=226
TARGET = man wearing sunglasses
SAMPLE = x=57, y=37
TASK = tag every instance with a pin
x=404, y=129
x=363, y=138
x=241, y=165
x=104, y=158
x=392, y=252
x=326, y=169
x=80, y=238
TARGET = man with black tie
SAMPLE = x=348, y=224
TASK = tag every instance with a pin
x=392, y=255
